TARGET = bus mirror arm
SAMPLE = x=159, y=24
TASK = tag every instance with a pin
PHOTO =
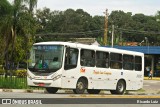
x=67, y=56
x=67, y=50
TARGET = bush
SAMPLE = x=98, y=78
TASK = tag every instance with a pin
x=1, y=66
x=21, y=73
x=2, y=71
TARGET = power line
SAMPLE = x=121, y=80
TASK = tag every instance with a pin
x=74, y=33
x=92, y=32
x=137, y=31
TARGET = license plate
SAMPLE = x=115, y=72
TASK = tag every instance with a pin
x=41, y=84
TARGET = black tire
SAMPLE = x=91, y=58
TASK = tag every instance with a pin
x=93, y=91
x=80, y=87
x=51, y=90
x=120, y=88
x=113, y=91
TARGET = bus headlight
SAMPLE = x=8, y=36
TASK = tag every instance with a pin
x=57, y=77
x=29, y=76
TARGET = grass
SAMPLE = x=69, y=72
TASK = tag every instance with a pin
x=158, y=92
x=140, y=90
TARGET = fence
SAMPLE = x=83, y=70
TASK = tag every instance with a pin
x=16, y=79
x=15, y=82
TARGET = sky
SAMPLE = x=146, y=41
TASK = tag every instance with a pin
x=98, y=7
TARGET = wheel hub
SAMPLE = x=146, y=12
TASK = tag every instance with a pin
x=80, y=85
x=120, y=87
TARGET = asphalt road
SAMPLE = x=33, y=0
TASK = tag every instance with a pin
x=151, y=85
x=106, y=99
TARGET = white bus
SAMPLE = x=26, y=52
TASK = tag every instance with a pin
x=64, y=65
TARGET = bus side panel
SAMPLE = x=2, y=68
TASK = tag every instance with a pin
x=69, y=78
x=101, y=78
x=134, y=79
x=132, y=82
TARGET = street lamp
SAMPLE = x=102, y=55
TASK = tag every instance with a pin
x=141, y=43
x=112, y=35
x=146, y=40
x=147, y=43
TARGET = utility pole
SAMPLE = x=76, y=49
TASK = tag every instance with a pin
x=105, y=39
x=112, y=35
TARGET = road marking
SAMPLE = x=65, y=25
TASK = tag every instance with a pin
x=146, y=85
x=153, y=82
x=113, y=96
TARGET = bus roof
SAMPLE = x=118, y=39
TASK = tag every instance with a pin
x=91, y=47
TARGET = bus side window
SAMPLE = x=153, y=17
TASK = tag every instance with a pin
x=71, y=58
x=87, y=58
x=138, y=63
x=116, y=60
x=102, y=59
x=128, y=62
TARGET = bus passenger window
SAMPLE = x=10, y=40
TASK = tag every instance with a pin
x=116, y=61
x=102, y=59
x=87, y=58
x=138, y=63
x=128, y=62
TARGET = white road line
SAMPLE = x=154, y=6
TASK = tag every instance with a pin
x=153, y=82
x=146, y=85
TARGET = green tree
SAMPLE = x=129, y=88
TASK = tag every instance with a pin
x=120, y=20
x=43, y=17
x=5, y=27
x=32, y=4
x=76, y=23
x=14, y=24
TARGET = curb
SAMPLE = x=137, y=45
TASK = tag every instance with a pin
x=22, y=90
x=153, y=78
x=31, y=91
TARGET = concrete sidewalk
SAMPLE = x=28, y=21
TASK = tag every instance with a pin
x=22, y=90
x=153, y=78
x=138, y=92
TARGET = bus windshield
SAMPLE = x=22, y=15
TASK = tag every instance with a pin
x=46, y=58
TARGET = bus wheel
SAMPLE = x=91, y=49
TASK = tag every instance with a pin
x=113, y=91
x=121, y=87
x=51, y=90
x=80, y=87
x=93, y=91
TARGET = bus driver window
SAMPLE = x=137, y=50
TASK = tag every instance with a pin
x=71, y=58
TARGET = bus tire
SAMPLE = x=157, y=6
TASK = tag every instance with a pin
x=113, y=91
x=51, y=90
x=93, y=91
x=80, y=86
x=120, y=88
